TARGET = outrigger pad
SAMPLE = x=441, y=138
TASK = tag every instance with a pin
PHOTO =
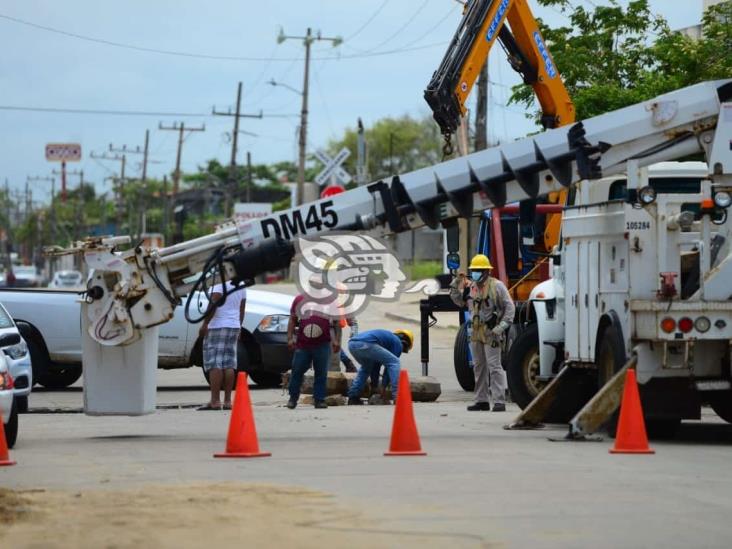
x=560, y=400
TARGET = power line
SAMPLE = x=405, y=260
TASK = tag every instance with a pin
x=113, y=112
x=368, y=21
x=408, y=22
x=433, y=27
x=369, y=53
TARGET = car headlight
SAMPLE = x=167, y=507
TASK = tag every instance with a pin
x=16, y=351
x=274, y=323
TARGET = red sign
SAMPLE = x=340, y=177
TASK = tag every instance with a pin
x=331, y=190
x=63, y=152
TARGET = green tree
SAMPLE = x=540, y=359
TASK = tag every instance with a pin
x=611, y=57
x=395, y=145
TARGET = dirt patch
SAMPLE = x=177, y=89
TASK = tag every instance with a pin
x=202, y=515
x=13, y=507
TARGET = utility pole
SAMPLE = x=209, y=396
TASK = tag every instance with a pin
x=234, y=141
x=361, y=164
x=308, y=40
x=249, y=176
x=117, y=183
x=7, y=236
x=124, y=150
x=481, y=111
x=181, y=129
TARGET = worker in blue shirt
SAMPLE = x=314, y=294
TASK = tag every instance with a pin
x=375, y=348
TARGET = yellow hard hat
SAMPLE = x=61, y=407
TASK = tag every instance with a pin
x=480, y=262
x=409, y=335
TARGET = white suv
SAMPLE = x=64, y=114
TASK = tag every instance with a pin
x=7, y=407
x=15, y=351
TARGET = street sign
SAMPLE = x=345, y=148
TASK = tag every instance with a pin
x=332, y=190
x=63, y=152
x=333, y=169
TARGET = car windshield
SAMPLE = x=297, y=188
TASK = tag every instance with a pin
x=5, y=320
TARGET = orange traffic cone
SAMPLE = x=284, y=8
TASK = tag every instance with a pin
x=404, y=435
x=242, y=439
x=631, y=435
x=4, y=455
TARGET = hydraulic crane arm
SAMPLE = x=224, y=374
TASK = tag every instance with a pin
x=139, y=288
x=484, y=22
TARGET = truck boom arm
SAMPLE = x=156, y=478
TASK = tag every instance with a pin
x=138, y=288
x=484, y=22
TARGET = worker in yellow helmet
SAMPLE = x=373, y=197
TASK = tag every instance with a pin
x=491, y=314
x=374, y=348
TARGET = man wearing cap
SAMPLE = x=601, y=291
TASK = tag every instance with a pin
x=491, y=312
x=375, y=348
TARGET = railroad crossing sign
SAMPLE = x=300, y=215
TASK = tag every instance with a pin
x=63, y=152
x=333, y=172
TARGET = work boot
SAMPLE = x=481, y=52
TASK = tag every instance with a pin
x=354, y=401
x=320, y=404
x=480, y=407
x=292, y=403
x=499, y=407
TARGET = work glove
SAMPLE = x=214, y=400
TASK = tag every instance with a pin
x=497, y=331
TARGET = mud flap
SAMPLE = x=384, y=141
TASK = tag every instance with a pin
x=560, y=400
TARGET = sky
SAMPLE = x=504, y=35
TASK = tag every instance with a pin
x=390, y=50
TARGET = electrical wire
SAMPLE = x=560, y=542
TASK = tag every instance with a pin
x=177, y=53
x=391, y=37
x=114, y=112
x=368, y=21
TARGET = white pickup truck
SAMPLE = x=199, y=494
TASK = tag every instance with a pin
x=49, y=321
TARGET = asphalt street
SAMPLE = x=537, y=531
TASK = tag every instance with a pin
x=479, y=485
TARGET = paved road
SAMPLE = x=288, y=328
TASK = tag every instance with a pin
x=479, y=486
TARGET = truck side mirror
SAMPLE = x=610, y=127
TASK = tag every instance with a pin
x=453, y=261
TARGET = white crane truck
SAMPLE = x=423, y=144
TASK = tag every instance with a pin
x=624, y=267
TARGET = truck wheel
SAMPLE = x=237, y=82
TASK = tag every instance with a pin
x=721, y=403
x=11, y=427
x=59, y=377
x=461, y=358
x=610, y=360
x=522, y=367
x=22, y=404
x=266, y=379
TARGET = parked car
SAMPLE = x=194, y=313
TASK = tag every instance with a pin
x=67, y=279
x=49, y=321
x=7, y=404
x=27, y=276
x=17, y=355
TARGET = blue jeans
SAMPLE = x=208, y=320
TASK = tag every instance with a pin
x=371, y=357
x=301, y=361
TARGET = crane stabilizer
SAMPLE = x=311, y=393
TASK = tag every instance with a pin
x=144, y=292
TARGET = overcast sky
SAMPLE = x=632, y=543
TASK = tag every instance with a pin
x=41, y=68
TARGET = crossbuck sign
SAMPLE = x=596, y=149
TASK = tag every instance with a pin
x=333, y=172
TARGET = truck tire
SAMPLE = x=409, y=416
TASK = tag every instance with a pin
x=59, y=377
x=265, y=379
x=461, y=358
x=22, y=403
x=610, y=360
x=522, y=366
x=721, y=403
x=46, y=373
x=11, y=427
